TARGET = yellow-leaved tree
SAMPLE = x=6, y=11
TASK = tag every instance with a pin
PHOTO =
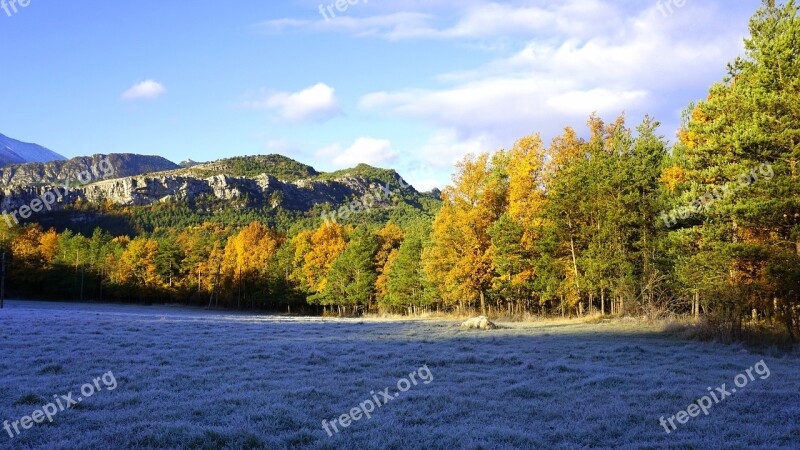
x=516, y=233
x=390, y=237
x=137, y=265
x=314, y=254
x=247, y=257
x=459, y=260
x=248, y=253
x=526, y=198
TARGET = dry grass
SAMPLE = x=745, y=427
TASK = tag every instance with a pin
x=754, y=335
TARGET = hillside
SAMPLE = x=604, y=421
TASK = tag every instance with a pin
x=278, y=166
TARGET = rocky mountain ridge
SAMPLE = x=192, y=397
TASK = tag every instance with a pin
x=242, y=182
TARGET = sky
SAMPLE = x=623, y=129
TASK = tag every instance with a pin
x=411, y=85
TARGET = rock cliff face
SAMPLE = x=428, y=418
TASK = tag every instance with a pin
x=188, y=185
x=262, y=190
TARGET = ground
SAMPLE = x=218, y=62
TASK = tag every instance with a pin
x=190, y=378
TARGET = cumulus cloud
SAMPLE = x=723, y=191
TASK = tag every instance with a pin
x=446, y=147
x=634, y=63
x=145, y=90
x=495, y=111
x=317, y=103
x=367, y=150
x=430, y=164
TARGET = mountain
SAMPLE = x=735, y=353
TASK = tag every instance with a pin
x=82, y=170
x=13, y=151
x=161, y=193
x=249, y=182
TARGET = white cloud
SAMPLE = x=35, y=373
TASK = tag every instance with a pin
x=634, y=63
x=146, y=90
x=314, y=104
x=446, y=147
x=394, y=25
x=367, y=150
x=499, y=110
x=430, y=165
x=468, y=19
x=575, y=17
x=426, y=185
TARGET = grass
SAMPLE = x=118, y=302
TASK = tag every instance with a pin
x=196, y=379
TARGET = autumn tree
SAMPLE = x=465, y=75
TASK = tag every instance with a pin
x=315, y=252
x=137, y=266
x=246, y=260
x=459, y=260
x=515, y=234
x=564, y=217
x=390, y=238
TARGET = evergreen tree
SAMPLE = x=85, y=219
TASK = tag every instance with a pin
x=351, y=280
x=406, y=284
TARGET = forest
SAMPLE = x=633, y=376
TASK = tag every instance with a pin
x=614, y=219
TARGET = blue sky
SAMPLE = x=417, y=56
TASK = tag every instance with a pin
x=412, y=85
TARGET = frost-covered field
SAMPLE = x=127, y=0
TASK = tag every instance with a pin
x=196, y=379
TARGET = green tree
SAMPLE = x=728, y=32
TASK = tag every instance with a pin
x=406, y=286
x=747, y=134
x=351, y=279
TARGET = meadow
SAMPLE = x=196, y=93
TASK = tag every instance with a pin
x=190, y=378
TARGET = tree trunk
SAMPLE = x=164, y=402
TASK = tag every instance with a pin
x=603, y=301
x=575, y=264
x=483, y=303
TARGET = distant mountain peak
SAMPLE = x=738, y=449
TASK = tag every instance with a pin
x=13, y=151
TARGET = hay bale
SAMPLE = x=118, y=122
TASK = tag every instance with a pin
x=480, y=323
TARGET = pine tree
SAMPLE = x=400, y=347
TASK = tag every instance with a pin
x=351, y=280
x=406, y=286
x=746, y=136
